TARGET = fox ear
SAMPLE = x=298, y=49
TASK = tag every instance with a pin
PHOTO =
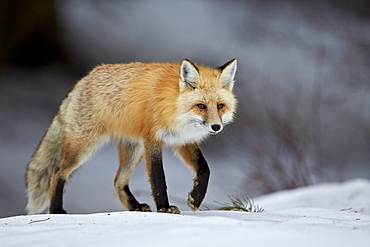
x=227, y=76
x=189, y=75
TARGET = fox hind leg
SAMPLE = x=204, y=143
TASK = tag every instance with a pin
x=74, y=154
x=130, y=155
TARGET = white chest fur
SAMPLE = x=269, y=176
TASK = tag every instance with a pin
x=185, y=134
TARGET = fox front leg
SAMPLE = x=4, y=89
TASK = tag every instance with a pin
x=157, y=179
x=193, y=157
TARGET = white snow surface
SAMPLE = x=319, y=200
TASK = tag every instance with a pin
x=335, y=214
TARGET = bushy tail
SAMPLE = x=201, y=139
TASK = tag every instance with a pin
x=42, y=166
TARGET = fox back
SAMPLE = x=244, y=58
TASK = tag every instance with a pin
x=155, y=100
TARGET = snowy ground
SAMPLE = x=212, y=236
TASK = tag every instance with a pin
x=323, y=215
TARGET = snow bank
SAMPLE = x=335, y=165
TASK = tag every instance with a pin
x=283, y=223
x=353, y=195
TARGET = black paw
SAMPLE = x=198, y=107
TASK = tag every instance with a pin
x=142, y=207
x=194, y=201
x=58, y=211
x=170, y=210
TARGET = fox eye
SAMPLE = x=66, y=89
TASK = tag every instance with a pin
x=220, y=106
x=201, y=106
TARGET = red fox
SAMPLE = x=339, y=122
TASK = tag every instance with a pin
x=142, y=107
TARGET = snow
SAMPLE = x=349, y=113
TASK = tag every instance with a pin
x=334, y=214
x=353, y=195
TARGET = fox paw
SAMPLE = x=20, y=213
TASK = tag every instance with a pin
x=170, y=210
x=142, y=207
x=58, y=211
x=193, y=203
x=190, y=202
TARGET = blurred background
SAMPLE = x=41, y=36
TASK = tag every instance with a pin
x=303, y=85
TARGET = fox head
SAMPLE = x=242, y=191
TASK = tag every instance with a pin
x=206, y=101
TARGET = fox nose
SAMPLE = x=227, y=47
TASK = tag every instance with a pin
x=215, y=127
